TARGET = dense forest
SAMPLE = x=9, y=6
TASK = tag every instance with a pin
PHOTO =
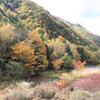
x=32, y=40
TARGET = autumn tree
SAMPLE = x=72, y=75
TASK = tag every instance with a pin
x=78, y=64
x=75, y=53
x=57, y=64
x=57, y=45
x=6, y=38
x=31, y=52
x=87, y=55
x=24, y=53
x=39, y=48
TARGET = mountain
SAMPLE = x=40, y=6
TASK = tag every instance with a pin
x=86, y=34
x=27, y=12
x=30, y=36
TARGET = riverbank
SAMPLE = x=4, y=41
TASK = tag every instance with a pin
x=86, y=86
x=47, y=91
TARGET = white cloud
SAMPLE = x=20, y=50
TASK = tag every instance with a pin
x=92, y=24
x=63, y=8
x=84, y=12
x=92, y=8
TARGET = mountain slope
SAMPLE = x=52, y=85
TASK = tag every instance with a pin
x=35, y=16
x=31, y=16
x=86, y=34
x=31, y=37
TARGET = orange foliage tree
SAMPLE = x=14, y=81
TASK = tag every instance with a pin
x=78, y=64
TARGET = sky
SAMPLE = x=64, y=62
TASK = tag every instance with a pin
x=84, y=12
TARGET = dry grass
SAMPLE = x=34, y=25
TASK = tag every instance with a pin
x=48, y=91
x=44, y=91
x=18, y=91
x=76, y=74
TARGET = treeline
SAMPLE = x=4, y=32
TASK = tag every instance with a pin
x=32, y=40
x=22, y=58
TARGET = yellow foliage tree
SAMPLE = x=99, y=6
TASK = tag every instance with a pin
x=39, y=48
x=57, y=64
x=38, y=43
x=57, y=45
x=75, y=53
x=22, y=51
x=6, y=32
x=61, y=38
x=7, y=35
x=23, y=9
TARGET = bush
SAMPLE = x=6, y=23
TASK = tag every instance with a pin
x=79, y=64
x=15, y=70
x=67, y=61
x=44, y=91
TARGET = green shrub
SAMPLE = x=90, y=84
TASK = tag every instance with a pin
x=88, y=55
x=15, y=70
x=67, y=62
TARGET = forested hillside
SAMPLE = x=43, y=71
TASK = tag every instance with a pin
x=32, y=40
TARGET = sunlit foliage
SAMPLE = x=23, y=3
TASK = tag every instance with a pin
x=7, y=35
x=39, y=48
x=23, y=52
x=6, y=31
x=78, y=64
x=57, y=64
x=52, y=43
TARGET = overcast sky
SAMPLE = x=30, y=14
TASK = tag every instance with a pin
x=84, y=12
